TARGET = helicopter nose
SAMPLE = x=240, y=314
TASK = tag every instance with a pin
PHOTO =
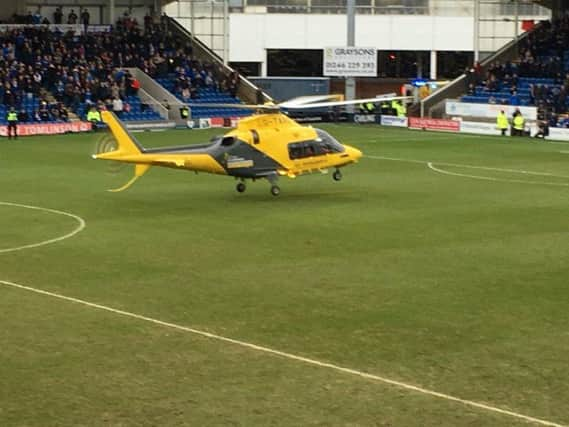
x=354, y=153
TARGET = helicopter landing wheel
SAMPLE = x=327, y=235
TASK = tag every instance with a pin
x=275, y=190
x=241, y=187
x=337, y=175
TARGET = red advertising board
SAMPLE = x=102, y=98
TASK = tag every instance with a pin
x=434, y=124
x=48, y=128
x=227, y=122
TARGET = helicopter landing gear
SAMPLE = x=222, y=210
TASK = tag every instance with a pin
x=337, y=175
x=275, y=189
x=241, y=187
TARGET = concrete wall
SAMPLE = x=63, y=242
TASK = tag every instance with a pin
x=252, y=34
x=11, y=7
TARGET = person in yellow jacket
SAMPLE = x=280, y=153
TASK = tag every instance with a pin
x=94, y=116
x=518, y=124
x=400, y=109
x=502, y=122
x=12, y=119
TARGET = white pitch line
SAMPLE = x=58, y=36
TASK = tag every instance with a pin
x=487, y=178
x=291, y=356
x=79, y=228
x=459, y=165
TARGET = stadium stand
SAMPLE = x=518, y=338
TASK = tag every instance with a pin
x=540, y=76
x=193, y=86
x=44, y=74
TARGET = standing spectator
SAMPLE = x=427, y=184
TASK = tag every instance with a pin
x=85, y=17
x=147, y=21
x=36, y=18
x=72, y=18
x=57, y=16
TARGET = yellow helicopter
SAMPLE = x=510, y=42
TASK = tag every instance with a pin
x=267, y=145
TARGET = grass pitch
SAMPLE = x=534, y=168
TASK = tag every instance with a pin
x=452, y=276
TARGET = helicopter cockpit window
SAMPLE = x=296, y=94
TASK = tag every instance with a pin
x=300, y=150
x=327, y=143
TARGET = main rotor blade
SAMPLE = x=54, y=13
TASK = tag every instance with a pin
x=294, y=106
x=239, y=106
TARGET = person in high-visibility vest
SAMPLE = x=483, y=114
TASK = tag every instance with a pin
x=518, y=124
x=502, y=122
x=400, y=109
x=94, y=116
x=184, y=112
x=12, y=118
x=395, y=107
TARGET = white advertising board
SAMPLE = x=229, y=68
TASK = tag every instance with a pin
x=350, y=61
x=480, y=128
x=467, y=109
x=394, y=121
x=558, y=134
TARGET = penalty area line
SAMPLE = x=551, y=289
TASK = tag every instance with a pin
x=289, y=356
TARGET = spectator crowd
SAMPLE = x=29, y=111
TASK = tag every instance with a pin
x=80, y=71
x=543, y=56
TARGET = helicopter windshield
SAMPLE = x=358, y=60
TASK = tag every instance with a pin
x=328, y=143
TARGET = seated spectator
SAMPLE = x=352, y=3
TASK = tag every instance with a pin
x=23, y=116
x=134, y=86
x=63, y=113
x=186, y=95
x=117, y=106
x=542, y=129
x=209, y=80
x=514, y=99
x=43, y=114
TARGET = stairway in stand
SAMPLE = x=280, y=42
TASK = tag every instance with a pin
x=48, y=96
